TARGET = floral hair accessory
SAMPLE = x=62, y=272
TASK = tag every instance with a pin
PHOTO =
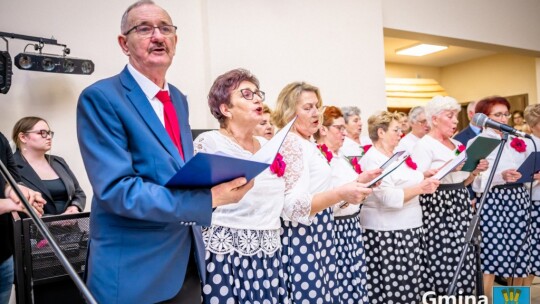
x=356, y=166
x=278, y=166
x=325, y=152
x=411, y=163
x=460, y=149
x=518, y=144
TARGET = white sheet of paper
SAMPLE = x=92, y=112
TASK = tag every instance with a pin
x=268, y=152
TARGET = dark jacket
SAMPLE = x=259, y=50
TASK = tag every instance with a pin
x=465, y=135
x=6, y=227
x=29, y=177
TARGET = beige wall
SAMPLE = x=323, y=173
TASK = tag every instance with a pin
x=501, y=74
x=397, y=70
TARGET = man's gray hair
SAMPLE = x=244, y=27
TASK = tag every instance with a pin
x=350, y=111
x=471, y=106
x=123, y=23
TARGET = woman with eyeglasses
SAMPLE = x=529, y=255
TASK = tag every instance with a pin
x=48, y=174
x=350, y=259
x=447, y=212
x=504, y=219
x=392, y=220
x=243, y=248
x=519, y=123
x=308, y=237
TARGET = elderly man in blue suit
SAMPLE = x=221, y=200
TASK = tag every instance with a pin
x=145, y=241
x=471, y=131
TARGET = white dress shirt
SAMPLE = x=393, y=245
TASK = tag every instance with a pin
x=407, y=143
x=342, y=173
x=352, y=148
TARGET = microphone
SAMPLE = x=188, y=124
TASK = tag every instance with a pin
x=482, y=121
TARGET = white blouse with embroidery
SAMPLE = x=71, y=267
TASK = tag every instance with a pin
x=307, y=173
x=342, y=173
x=430, y=153
x=252, y=224
x=385, y=209
x=510, y=159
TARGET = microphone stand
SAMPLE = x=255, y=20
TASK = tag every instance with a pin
x=46, y=233
x=472, y=237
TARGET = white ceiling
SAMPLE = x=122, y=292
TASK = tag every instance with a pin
x=452, y=55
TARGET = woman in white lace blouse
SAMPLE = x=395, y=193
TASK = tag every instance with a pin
x=308, y=235
x=243, y=249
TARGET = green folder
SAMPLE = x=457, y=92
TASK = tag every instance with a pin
x=478, y=150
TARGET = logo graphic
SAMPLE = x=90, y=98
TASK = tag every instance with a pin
x=511, y=295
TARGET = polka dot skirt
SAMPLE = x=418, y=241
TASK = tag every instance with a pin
x=309, y=260
x=233, y=278
x=505, y=250
x=396, y=266
x=446, y=216
x=351, y=264
x=535, y=238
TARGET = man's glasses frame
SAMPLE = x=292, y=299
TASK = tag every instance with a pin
x=145, y=30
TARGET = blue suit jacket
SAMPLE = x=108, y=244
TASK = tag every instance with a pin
x=465, y=135
x=139, y=240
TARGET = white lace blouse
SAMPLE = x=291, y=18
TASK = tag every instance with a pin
x=307, y=173
x=342, y=173
x=261, y=207
x=510, y=159
x=385, y=209
x=430, y=153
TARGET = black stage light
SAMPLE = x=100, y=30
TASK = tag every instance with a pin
x=5, y=72
x=53, y=64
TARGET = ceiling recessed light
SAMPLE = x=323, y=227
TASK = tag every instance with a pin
x=421, y=49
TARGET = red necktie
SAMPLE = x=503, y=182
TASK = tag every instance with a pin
x=171, y=120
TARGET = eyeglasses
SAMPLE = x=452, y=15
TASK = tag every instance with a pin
x=43, y=133
x=499, y=114
x=397, y=130
x=422, y=122
x=145, y=30
x=249, y=94
x=340, y=128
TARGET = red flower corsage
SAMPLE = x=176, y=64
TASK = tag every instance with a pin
x=366, y=148
x=278, y=166
x=460, y=149
x=355, y=165
x=411, y=163
x=325, y=152
x=518, y=144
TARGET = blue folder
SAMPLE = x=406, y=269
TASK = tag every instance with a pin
x=206, y=170
x=529, y=167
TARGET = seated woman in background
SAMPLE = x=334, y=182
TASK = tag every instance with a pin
x=396, y=253
x=48, y=174
x=265, y=128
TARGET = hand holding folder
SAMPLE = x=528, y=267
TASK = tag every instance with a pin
x=206, y=170
x=529, y=167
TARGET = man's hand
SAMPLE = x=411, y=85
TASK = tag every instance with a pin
x=230, y=192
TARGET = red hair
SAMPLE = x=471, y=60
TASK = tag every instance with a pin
x=485, y=105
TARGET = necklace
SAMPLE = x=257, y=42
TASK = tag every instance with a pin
x=229, y=134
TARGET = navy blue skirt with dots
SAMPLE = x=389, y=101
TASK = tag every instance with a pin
x=309, y=260
x=350, y=260
x=535, y=238
x=446, y=215
x=235, y=278
x=505, y=248
x=396, y=266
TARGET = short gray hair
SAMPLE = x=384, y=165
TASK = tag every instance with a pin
x=123, y=23
x=471, y=106
x=439, y=104
x=350, y=111
x=414, y=113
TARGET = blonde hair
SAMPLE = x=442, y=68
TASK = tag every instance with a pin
x=532, y=114
x=288, y=100
x=380, y=120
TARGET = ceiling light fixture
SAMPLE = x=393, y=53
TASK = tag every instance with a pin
x=421, y=49
x=38, y=61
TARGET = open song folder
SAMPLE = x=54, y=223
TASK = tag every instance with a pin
x=207, y=170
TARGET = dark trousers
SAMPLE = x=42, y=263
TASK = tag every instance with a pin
x=190, y=293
